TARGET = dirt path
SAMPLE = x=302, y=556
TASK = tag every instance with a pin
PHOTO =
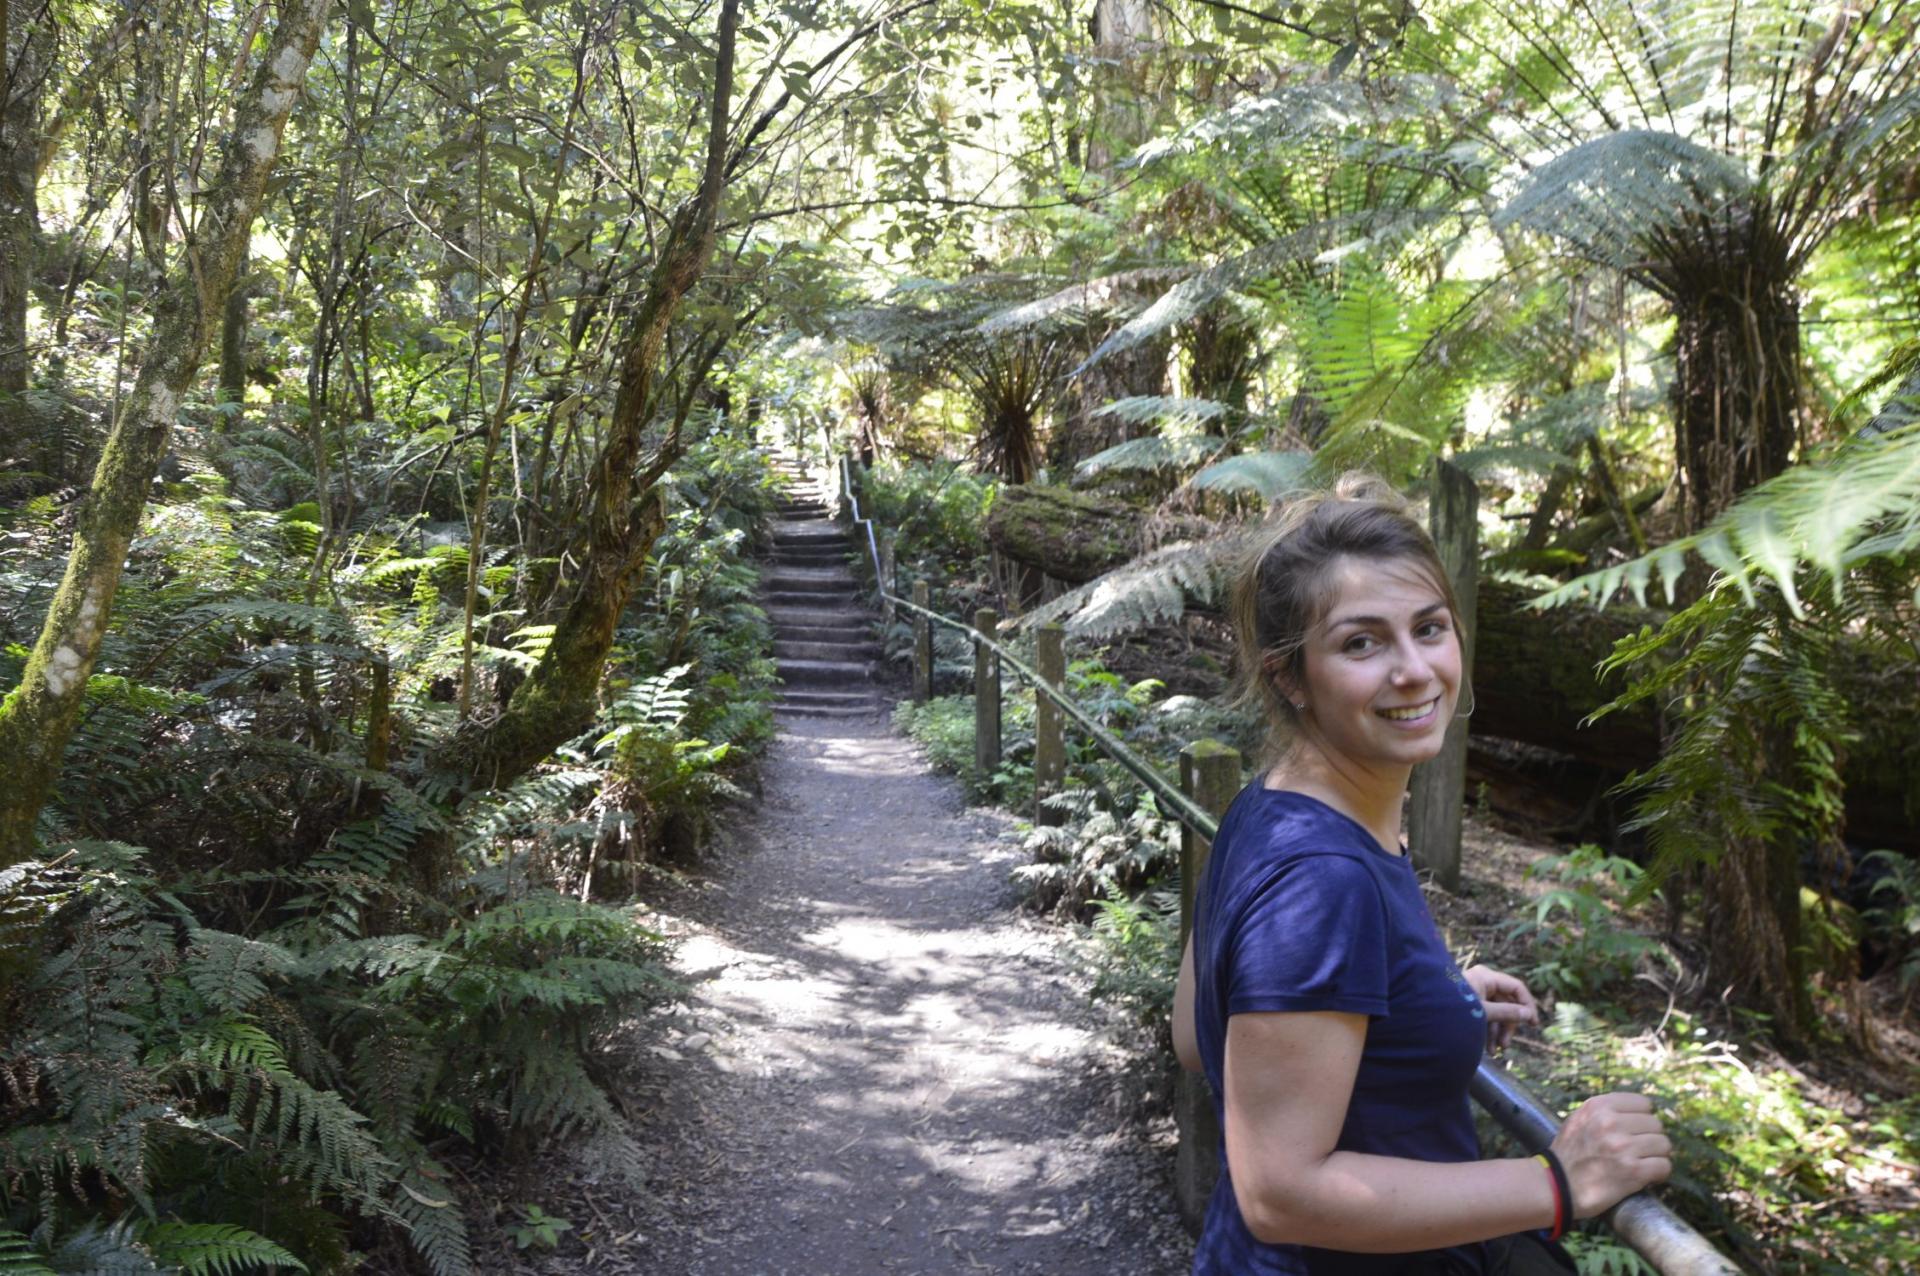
x=885, y=1067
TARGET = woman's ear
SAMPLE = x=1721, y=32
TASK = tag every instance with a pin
x=1284, y=681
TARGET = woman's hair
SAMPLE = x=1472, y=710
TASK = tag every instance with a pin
x=1284, y=586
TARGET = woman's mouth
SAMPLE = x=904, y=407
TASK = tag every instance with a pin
x=1411, y=714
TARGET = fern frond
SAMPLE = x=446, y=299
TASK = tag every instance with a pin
x=1120, y=293
x=1322, y=241
x=1152, y=589
x=1307, y=109
x=214, y=1249
x=1613, y=196
x=18, y=1257
x=226, y=970
x=1152, y=454
x=1268, y=475
x=431, y=1213
x=97, y=1250
x=1860, y=502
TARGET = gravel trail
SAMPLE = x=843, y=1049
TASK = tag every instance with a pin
x=885, y=1067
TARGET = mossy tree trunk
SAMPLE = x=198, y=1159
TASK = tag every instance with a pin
x=626, y=513
x=38, y=716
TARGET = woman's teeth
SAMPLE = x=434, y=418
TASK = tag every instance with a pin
x=1407, y=715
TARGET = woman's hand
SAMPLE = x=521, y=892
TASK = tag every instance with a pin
x=1611, y=1147
x=1506, y=1000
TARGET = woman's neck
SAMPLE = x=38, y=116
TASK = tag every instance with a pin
x=1371, y=798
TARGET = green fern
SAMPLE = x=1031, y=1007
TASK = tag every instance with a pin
x=1153, y=454
x=1152, y=589
x=1266, y=475
x=214, y=1249
x=1860, y=502
x=18, y=1257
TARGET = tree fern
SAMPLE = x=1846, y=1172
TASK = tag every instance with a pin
x=1153, y=454
x=1615, y=197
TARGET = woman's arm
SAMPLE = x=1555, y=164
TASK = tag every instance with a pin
x=1186, y=1043
x=1289, y=1078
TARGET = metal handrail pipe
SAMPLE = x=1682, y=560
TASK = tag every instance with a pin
x=1641, y=1221
x=1647, y=1226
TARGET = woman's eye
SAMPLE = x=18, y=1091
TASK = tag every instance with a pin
x=1433, y=629
x=1359, y=642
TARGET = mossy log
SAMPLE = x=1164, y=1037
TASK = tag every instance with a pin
x=1535, y=677
x=1071, y=536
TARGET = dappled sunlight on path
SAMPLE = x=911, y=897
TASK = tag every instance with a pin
x=894, y=1072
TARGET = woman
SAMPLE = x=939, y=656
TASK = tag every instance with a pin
x=1337, y=1034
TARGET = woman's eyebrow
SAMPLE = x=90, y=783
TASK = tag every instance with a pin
x=1439, y=604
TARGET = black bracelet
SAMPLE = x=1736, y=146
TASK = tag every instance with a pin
x=1565, y=1189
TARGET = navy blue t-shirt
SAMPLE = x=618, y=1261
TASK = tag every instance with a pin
x=1301, y=909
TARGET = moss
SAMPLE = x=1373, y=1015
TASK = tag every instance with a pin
x=1071, y=536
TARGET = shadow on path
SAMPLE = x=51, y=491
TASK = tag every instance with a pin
x=886, y=1067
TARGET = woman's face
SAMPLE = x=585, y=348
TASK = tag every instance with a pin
x=1382, y=669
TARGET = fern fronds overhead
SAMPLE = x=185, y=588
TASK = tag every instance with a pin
x=1320, y=242
x=1622, y=198
x=1308, y=109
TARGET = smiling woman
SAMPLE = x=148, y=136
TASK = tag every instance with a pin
x=1337, y=1033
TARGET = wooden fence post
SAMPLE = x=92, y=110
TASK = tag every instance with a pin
x=1049, y=740
x=986, y=697
x=1437, y=802
x=922, y=645
x=1210, y=775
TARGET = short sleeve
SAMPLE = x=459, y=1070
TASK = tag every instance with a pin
x=1313, y=937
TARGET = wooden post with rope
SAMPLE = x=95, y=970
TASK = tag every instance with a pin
x=986, y=697
x=1049, y=736
x=922, y=645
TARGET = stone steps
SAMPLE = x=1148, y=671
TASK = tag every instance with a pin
x=824, y=647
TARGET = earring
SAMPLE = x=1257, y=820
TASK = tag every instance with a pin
x=1301, y=707
x=1472, y=704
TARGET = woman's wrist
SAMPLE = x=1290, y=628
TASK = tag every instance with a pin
x=1560, y=1193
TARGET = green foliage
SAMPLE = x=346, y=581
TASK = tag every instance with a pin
x=537, y=1228
x=216, y=1249
x=1577, y=926
x=1097, y=857
x=1602, y=1256
x=1758, y=1158
x=1893, y=916
x=936, y=514
x=1134, y=952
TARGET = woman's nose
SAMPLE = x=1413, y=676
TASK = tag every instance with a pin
x=1411, y=666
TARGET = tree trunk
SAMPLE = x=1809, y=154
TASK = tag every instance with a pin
x=29, y=53
x=233, y=349
x=1737, y=386
x=38, y=716
x=626, y=513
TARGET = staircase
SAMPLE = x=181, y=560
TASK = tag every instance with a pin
x=822, y=630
